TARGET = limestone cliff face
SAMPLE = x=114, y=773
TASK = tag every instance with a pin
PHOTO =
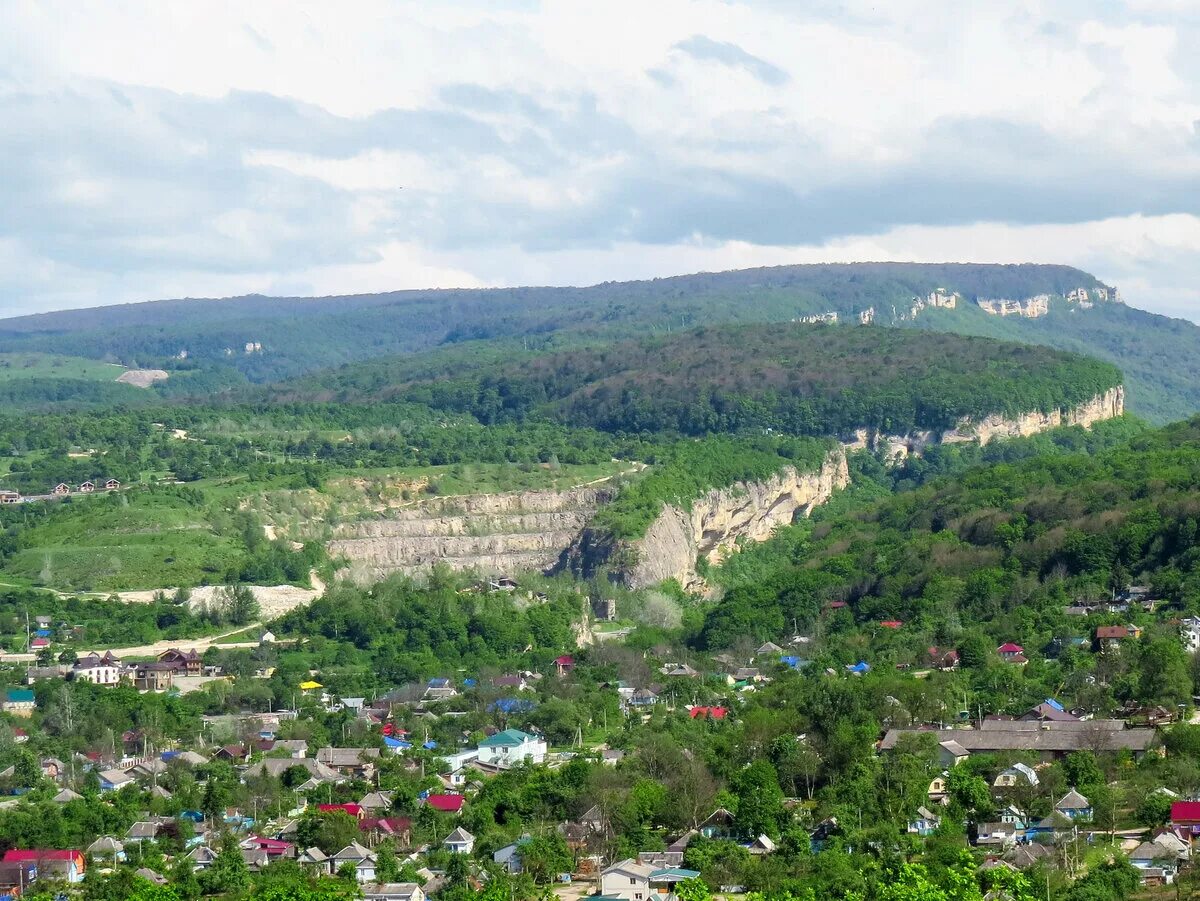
x=712, y=527
x=492, y=533
x=1108, y=405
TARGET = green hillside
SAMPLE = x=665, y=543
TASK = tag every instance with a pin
x=796, y=379
x=999, y=550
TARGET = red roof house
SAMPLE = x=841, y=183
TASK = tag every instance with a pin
x=564, y=664
x=69, y=865
x=709, y=713
x=891, y=624
x=446, y=803
x=1187, y=814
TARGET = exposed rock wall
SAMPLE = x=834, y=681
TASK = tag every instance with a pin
x=1108, y=405
x=491, y=533
x=712, y=527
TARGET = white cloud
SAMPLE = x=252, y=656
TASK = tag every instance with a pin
x=162, y=148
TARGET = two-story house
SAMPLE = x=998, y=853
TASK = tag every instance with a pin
x=630, y=880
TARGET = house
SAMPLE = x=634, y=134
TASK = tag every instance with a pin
x=630, y=880
x=62, y=488
x=154, y=677
x=512, y=747
x=107, y=848
x=353, y=811
x=233, y=753
x=87, y=487
x=143, y=830
x=509, y=856
x=358, y=763
x=1050, y=739
x=719, y=824
x=361, y=857
x=379, y=828
x=114, y=780
x=393, y=891
x=66, y=865
x=937, y=791
x=443, y=803
x=761, y=845
x=996, y=835
x=515, y=681
x=1054, y=826
x=924, y=823
x=643, y=697
x=98, y=670
x=1185, y=819
x=10, y=497
x=768, y=649
x=38, y=643
x=1157, y=865
x=708, y=713
x=679, y=669
x=377, y=800
x=951, y=753
x=1189, y=631
x=943, y=658
x=1026, y=854
x=202, y=857
x=19, y=702
x=459, y=841
x=1074, y=805
x=1109, y=637
x=1016, y=774
x=184, y=663
x=1049, y=709
x=272, y=847
x=314, y=859
x=892, y=624
x=858, y=669
x=564, y=664
x=111, y=485
x=1012, y=653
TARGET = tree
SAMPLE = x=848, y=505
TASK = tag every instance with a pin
x=1165, y=675
x=760, y=809
x=228, y=872
x=241, y=607
x=387, y=868
x=969, y=794
x=543, y=857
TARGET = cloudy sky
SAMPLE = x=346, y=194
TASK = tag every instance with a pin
x=196, y=148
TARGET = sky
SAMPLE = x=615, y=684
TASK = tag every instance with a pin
x=200, y=149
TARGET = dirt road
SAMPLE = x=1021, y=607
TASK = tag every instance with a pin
x=153, y=650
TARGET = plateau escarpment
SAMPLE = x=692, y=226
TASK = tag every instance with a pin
x=708, y=528
x=1108, y=404
x=490, y=533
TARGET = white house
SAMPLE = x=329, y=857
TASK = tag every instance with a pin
x=361, y=857
x=629, y=880
x=459, y=842
x=98, y=670
x=393, y=891
x=1189, y=631
x=1014, y=775
x=512, y=747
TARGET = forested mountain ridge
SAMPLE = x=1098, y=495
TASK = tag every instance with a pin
x=795, y=379
x=374, y=336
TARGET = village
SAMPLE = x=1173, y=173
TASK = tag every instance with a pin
x=1035, y=819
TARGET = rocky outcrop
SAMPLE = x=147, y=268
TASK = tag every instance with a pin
x=894, y=448
x=713, y=526
x=1108, y=405
x=490, y=533
x=142, y=378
